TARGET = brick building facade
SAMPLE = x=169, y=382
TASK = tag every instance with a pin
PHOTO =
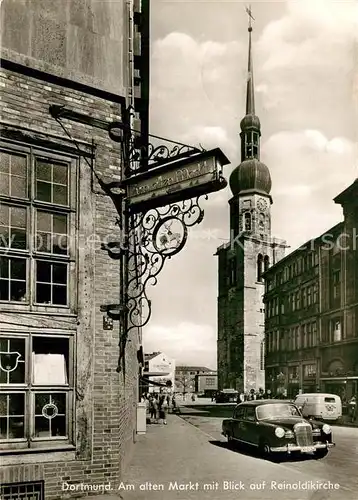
x=67, y=417
x=312, y=311
x=242, y=261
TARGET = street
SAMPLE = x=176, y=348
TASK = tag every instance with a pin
x=340, y=466
x=188, y=459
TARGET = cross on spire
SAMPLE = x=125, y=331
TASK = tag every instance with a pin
x=251, y=17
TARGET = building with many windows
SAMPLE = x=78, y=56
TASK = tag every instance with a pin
x=311, y=297
x=67, y=416
x=206, y=383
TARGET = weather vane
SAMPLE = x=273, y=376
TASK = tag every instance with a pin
x=249, y=12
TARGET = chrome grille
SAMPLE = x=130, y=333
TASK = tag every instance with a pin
x=303, y=434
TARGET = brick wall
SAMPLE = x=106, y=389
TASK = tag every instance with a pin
x=105, y=407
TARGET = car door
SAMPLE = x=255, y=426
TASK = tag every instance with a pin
x=238, y=422
x=250, y=427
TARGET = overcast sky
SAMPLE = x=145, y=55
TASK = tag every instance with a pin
x=306, y=79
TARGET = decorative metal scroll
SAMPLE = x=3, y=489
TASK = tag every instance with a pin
x=154, y=237
x=150, y=155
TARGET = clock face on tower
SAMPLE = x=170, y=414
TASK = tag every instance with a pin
x=262, y=204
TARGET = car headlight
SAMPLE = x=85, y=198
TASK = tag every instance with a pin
x=326, y=429
x=279, y=432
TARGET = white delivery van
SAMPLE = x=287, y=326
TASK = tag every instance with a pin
x=320, y=406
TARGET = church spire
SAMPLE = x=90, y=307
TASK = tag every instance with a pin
x=250, y=124
x=250, y=94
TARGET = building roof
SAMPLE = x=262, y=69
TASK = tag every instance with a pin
x=151, y=355
x=348, y=194
x=318, y=241
x=250, y=176
x=184, y=368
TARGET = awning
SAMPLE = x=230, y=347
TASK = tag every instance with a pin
x=155, y=374
x=338, y=379
x=151, y=382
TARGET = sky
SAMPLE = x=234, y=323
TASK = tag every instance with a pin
x=305, y=56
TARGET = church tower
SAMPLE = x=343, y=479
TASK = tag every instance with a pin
x=245, y=258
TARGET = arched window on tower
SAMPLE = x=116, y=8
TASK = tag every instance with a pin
x=260, y=260
x=247, y=221
x=255, y=143
x=248, y=145
x=266, y=262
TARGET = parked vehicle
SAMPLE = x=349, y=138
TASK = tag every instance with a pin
x=320, y=406
x=227, y=396
x=277, y=427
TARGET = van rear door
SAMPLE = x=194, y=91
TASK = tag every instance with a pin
x=331, y=409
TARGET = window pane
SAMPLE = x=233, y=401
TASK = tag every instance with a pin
x=13, y=279
x=60, y=273
x=4, y=267
x=13, y=226
x=60, y=194
x=43, y=242
x=18, y=291
x=51, y=233
x=51, y=360
x=59, y=295
x=59, y=244
x=43, y=221
x=4, y=184
x=18, y=269
x=18, y=186
x=43, y=191
x=4, y=225
x=4, y=162
x=43, y=271
x=60, y=173
x=43, y=294
x=12, y=361
x=50, y=415
x=12, y=406
x=4, y=289
x=60, y=224
x=18, y=165
x=43, y=171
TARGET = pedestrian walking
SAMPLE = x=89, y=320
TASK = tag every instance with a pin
x=174, y=404
x=163, y=407
x=353, y=408
x=153, y=409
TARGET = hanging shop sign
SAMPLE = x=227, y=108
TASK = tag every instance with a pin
x=176, y=181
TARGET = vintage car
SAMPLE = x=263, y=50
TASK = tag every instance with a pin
x=227, y=396
x=275, y=427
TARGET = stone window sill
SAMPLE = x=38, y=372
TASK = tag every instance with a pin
x=37, y=455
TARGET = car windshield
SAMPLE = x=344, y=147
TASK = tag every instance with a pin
x=277, y=410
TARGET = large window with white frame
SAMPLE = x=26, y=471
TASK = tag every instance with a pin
x=37, y=221
x=36, y=390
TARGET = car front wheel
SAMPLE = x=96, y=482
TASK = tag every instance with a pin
x=264, y=449
x=320, y=453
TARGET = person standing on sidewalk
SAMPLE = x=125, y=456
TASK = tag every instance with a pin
x=153, y=409
x=163, y=407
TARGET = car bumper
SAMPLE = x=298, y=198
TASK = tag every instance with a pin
x=303, y=449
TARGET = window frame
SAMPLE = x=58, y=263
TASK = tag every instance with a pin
x=33, y=207
x=29, y=388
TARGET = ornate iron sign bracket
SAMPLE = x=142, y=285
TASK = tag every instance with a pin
x=149, y=237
